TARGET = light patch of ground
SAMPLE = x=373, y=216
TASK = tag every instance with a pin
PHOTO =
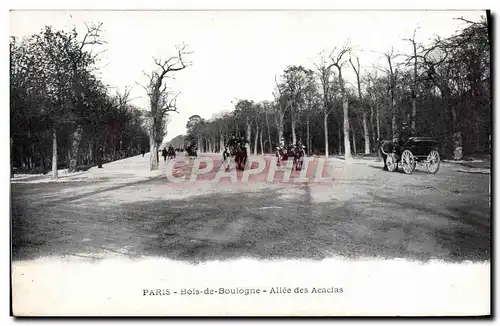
x=116, y=286
x=290, y=193
x=475, y=170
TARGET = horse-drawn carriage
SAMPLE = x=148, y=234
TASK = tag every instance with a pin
x=416, y=150
x=297, y=152
x=235, y=154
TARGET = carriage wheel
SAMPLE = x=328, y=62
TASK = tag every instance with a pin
x=433, y=161
x=391, y=163
x=408, y=162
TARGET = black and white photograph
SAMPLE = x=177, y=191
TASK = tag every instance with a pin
x=250, y=162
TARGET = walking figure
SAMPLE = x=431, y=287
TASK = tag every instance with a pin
x=143, y=152
x=164, y=153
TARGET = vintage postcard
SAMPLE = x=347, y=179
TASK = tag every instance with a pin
x=250, y=162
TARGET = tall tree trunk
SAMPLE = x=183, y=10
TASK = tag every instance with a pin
x=269, y=134
x=54, y=154
x=75, y=146
x=340, y=142
x=456, y=136
x=378, y=121
x=91, y=154
x=294, y=134
x=308, y=137
x=453, y=140
x=392, y=109
x=249, y=137
x=221, y=142
x=256, y=139
x=347, y=143
x=280, y=127
x=261, y=144
x=104, y=149
x=154, y=158
x=30, y=150
x=414, y=90
x=372, y=125
x=367, y=137
x=414, y=115
x=12, y=162
x=353, y=138
x=360, y=97
x=325, y=127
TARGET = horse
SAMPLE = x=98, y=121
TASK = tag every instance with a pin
x=240, y=157
x=228, y=157
x=191, y=151
x=384, y=148
x=298, y=157
x=281, y=155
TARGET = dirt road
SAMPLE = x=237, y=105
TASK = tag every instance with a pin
x=357, y=210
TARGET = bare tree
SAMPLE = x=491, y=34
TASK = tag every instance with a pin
x=325, y=73
x=414, y=57
x=357, y=71
x=267, y=106
x=91, y=38
x=312, y=102
x=256, y=120
x=296, y=80
x=245, y=110
x=339, y=63
x=392, y=73
x=283, y=103
x=371, y=104
x=161, y=99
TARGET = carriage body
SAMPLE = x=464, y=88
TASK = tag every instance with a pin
x=421, y=146
x=417, y=150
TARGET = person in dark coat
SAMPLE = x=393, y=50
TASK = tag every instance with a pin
x=231, y=143
x=404, y=134
x=143, y=152
x=164, y=153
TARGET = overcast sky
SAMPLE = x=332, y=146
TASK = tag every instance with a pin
x=236, y=53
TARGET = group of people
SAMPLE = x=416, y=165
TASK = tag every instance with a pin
x=235, y=144
x=170, y=152
x=291, y=148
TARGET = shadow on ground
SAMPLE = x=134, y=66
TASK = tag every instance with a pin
x=264, y=225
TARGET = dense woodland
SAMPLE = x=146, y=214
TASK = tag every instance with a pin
x=63, y=116
x=441, y=90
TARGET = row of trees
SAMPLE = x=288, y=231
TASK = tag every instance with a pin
x=441, y=89
x=62, y=114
